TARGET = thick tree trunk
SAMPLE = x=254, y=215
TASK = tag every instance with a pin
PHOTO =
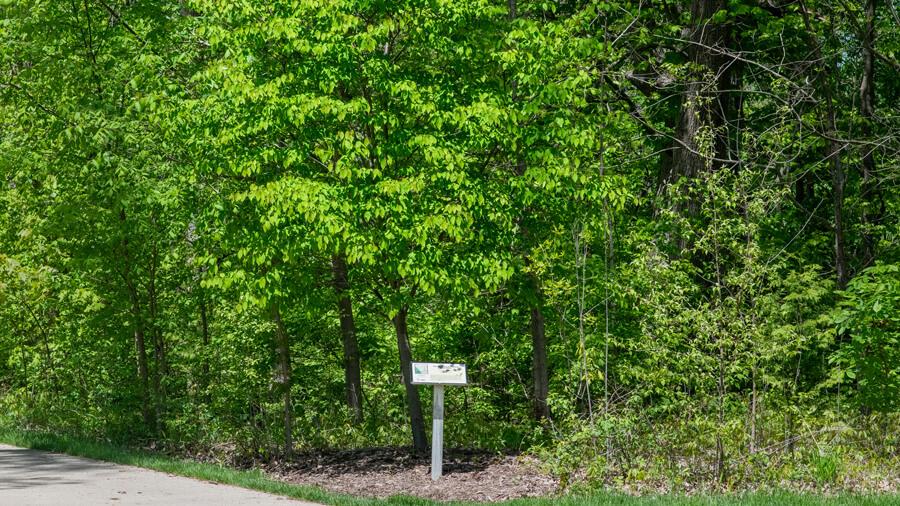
x=539, y=368
x=420, y=443
x=706, y=106
x=283, y=376
x=352, y=373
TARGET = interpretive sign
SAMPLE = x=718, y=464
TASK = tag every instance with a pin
x=429, y=373
x=439, y=375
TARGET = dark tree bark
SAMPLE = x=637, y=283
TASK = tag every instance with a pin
x=159, y=352
x=837, y=185
x=706, y=104
x=540, y=374
x=417, y=423
x=138, y=330
x=539, y=370
x=204, y=326
x=204, y=337
x=48, y=366
x=869, y=189
x=140, y=347
x=352, y=373
x=833, y=150
x=283, y=376
x=26, y=384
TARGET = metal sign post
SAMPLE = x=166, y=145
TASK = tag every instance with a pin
x=439, y=375
x=437, y=433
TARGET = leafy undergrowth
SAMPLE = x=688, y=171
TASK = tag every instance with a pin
x=257, y=480
x=677, y=458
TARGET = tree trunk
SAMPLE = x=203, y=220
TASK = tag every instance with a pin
x=159, y=353
x=417, y=423
x=283, y=376
x=705, y=105
x=204, y=326
x=28, y=395
x=352, y=373
x=48, y=365
x=720, y=397
x=837, y=185
x=833, y=153
x=869, y=190
x=143, y=372
x=138, y=330
x=204, y=337
x=539, y=368
x=753, y=407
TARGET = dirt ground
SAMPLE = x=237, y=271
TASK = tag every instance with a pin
x=383, y=472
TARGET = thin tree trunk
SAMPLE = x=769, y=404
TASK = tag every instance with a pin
x=204, y=337
x=867, y=111
x=833, y=152
x=204, y=326
x=28, y=394
x=158, y=346
x=539, y=370
x=720, y=394
x=283, y=378
x=417, y=423
x=352, y=372
x=138, y=331
x=581, y=254
x=143, y=371
x=837, y=184
x=48, y=366
x=753, y=403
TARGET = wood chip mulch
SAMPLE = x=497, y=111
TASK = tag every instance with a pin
x=469, y=475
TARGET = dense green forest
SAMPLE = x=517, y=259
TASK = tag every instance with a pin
x=663, y=235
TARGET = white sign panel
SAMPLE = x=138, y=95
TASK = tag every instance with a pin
x=428, y=373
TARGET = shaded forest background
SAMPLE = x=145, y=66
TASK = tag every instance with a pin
x=662, y=235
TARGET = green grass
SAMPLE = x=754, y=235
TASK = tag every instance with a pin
x=256, y=480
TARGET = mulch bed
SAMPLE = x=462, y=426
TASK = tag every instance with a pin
x=469, y=475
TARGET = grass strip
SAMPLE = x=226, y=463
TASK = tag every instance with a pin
x=256, y=480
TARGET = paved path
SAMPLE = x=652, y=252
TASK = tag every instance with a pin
x=29, y=477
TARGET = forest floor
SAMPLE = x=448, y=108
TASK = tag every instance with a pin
x=482, y=476
x=469, y=475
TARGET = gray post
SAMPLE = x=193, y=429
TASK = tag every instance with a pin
x=437, y=433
